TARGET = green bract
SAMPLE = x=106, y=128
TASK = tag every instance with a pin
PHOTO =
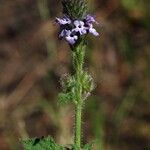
x=76, y=9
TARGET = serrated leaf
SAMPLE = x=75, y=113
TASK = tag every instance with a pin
x=41, y=144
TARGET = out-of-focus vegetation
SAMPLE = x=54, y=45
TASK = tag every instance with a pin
x=32, y=60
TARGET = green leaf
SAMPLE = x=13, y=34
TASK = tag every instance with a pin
x=69, y=86
x=66, y=98
x=87, y=82
x=88, y=146
x=41, y=144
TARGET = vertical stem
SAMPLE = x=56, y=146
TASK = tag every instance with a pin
x=78, y=117
x=78, y=59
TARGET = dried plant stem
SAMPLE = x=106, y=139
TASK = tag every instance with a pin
x=78, y=60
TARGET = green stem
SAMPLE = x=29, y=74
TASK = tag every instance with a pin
x=78, y=117
x=78, y=60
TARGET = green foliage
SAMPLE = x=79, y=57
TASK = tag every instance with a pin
x=88, y=146
x=49, y=144
x=87, y=83
x=41, y=144
x=75, y=8
x=69, y=86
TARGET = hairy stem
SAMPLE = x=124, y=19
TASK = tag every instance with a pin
x=78, y=60
x=78, y=117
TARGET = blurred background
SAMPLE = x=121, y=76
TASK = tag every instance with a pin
x=32, y=60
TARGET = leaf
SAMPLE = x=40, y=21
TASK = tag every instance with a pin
x=69, y=86
x=41, y=144
x=87, y=82
x=88, y=146
x=65, y=98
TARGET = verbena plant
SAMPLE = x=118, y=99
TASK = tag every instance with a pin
x=75, y=25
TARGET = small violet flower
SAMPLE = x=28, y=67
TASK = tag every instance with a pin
x=63, y=33
x=63, y=21
x=92, y=30
x=79, y=27
x=90, y=19
x=71, y=37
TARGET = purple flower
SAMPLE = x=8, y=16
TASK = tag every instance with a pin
x=92, y=30
x=63, y=33
x=63, y=21
x=71, y=37
x=79, y=27
x=71, y=29
x=90, y=19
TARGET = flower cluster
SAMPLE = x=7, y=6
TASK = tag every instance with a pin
x=72, y=30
